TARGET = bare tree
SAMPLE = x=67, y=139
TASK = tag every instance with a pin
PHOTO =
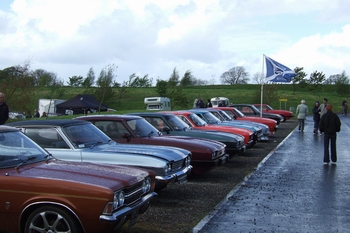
x=236, y=75
x=259, y=78
x=104, y=91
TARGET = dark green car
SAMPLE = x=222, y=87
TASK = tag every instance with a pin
x=172, y=125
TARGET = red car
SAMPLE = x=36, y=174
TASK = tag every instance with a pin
x=267, y=108
x=238, y=115
x=196, y=122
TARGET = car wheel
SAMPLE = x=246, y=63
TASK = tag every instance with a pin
x=51, y=219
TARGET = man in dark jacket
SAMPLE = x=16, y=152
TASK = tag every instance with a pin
x=200, y=103
x=4, y=109
x=330, y=125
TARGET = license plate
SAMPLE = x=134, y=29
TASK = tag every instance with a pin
x=182, y=180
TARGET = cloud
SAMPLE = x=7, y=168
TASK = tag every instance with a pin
x=153, y=37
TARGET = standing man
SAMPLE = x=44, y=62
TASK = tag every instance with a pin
x=330, y=125
x=209, y=104
x=323, y=106
x=200, y=103
x=345, y=107
x=302, y=111
x=4, y=109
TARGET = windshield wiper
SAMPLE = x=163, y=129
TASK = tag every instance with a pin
x=49, y=156
x=150, y=134
x=25, y=161
x=96, y=143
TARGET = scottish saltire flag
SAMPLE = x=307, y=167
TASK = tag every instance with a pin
x=276, y=72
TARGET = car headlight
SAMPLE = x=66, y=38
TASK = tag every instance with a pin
x=188, y=161
x=167, y=168
x=118, y=200
x=146, y=186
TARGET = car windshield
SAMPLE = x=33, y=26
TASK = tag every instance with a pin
x=255, y=108
x=209, y=118
x=176, y=123
x=85, y=135
x=225, y=116
x=142, y=128
x=197, y=120
x=17, y=149
x=239, y=112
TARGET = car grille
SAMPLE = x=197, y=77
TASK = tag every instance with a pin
x=133, y=194
x=178, y=165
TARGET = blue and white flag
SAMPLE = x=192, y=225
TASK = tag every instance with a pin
x=276, y=72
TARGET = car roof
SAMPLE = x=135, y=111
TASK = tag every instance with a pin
x=57, y=122
x=146, y=113
x=112, y=116
x=4, y=128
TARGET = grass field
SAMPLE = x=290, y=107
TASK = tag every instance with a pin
x=133, y=99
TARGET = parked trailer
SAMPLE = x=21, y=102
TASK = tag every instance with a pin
x=157, y=103
x=217, y=100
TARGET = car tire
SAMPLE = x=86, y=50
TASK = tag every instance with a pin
x=284, y=118
x=52, y=219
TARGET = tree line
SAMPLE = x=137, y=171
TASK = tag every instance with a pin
x=18, y=83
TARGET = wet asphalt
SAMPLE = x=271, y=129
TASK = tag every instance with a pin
x=291, y=190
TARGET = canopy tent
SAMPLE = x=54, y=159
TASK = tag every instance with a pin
x=80, y=104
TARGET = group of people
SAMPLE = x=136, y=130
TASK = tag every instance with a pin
x=200, y=103
x=325, y=121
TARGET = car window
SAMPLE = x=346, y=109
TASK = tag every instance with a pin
x=141, y=127
x=196, y=120
x=15, y=147
x=156, y=122
x=176, y=123
x=47, y=137
x=184, y=119
x=85, y=135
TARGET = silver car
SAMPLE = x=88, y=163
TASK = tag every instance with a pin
x=76, y=140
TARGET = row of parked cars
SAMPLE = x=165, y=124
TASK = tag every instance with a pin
x=95, y=173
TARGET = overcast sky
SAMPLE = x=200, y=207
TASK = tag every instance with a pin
x=208, y=37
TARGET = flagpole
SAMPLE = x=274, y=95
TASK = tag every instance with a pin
x=262, y=87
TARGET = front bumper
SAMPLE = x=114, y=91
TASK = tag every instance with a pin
x=120, y=216
x=179, y=176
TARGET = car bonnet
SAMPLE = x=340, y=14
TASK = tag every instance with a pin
x=111, y=176
x=164, y=152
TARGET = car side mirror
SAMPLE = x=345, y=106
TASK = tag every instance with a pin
x=127, y=136
x=166, y=129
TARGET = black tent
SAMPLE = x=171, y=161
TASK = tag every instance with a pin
x=80, y=104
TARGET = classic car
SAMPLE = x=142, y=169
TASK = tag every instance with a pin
x=206, y=154
x=42, y=194
x=210, y=118
x=224, y=118
x=251, y=110
x=196, y=122
x=172, y=125
x=239, y=116
x=76, y=140
x=268, y=109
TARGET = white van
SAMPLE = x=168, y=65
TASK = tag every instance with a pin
x=217, y=100
x=157, y=103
